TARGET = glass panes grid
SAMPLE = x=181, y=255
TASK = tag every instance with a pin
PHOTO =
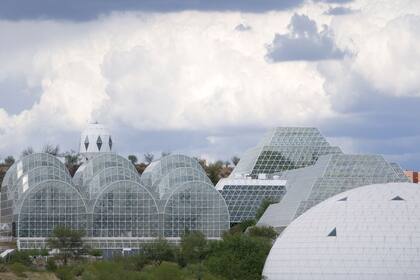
x=121, y=211
x=196, y=206
x=244, y=200
x=345, y=172
x=285, y=148
x=125, y=209
x=51, y=204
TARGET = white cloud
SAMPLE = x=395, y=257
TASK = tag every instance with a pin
x=193, y=70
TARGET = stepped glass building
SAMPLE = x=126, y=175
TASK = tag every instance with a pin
x=305, y=169
x=109, y=201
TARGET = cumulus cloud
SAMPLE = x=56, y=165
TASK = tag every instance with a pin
x=303, y=42
x=339, y=11
x=242, y=27
x=189, y=82
x=151, y=72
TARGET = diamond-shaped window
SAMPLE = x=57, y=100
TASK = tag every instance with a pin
x=99, y=143
x=110, y=143
x=86, y=143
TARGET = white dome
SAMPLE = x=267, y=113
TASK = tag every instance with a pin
x=371, y=232
x=95, y=139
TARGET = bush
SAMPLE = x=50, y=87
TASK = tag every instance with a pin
x=164, y=271
x=159, y=251
x=95, y=252
x=264, y=232
x=22, y=257
x=239, y=256
x=51, y=265
x=18, y=269
x=241, y=227
x=65, y=273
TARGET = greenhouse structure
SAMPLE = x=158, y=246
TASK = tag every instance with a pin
x=109, y=201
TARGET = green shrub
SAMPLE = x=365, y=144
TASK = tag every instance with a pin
x=22, y=257
x=264, y=232
x=65, y=273
x=51, y=265
x=18, y=269
x=238, y=256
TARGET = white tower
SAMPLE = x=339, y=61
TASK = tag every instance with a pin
x=95, y=139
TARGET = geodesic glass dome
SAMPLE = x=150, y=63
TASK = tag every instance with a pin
x=370, y=232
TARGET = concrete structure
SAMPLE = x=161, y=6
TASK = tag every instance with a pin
x=369, y=233
x=95, y=139
x=413, y=176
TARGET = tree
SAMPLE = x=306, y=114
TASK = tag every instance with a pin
x=67, y=241
x=50, y=149
x=235, y=160
x=239, y=257
x=148, y=157
x=159, y=251
x=133, y=159
x=263, y=232
x=29, y=150
x=72, y=161
x=9, y=160
x=194, y=247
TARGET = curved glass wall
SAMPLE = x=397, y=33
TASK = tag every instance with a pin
x=195, y=206
x=156, y=170
x=19, y=175
x=125, y=209
x=179, y=175
x=47, y=205
x=29, y=162
x=98, y=163
x=37, y=175
x=107, y=176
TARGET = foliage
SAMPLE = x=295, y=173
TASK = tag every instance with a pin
x=107, y=270
x=65, y=273
x=18, y=269
x=194, y=247
x=241, y=227
x=148, y=158
x=164, y=154
x=239, y=256
x=51, y=265
x=50, y=149
x=159, y=251
x=67, y=241
x=29, y=150
x=95, y=252
x=164, y=271
x=265, y=232
x=133, y=159
x=72, y=161
x=22, y=257
x=9, y=160
x=235, y=160
x=263, y=206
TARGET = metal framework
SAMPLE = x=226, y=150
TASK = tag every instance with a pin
x=108, y=200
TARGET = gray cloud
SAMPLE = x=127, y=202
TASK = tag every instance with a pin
x=339, y=11
x=303, y=42
x=242, y=27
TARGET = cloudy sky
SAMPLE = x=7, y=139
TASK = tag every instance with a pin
x=207, y=78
